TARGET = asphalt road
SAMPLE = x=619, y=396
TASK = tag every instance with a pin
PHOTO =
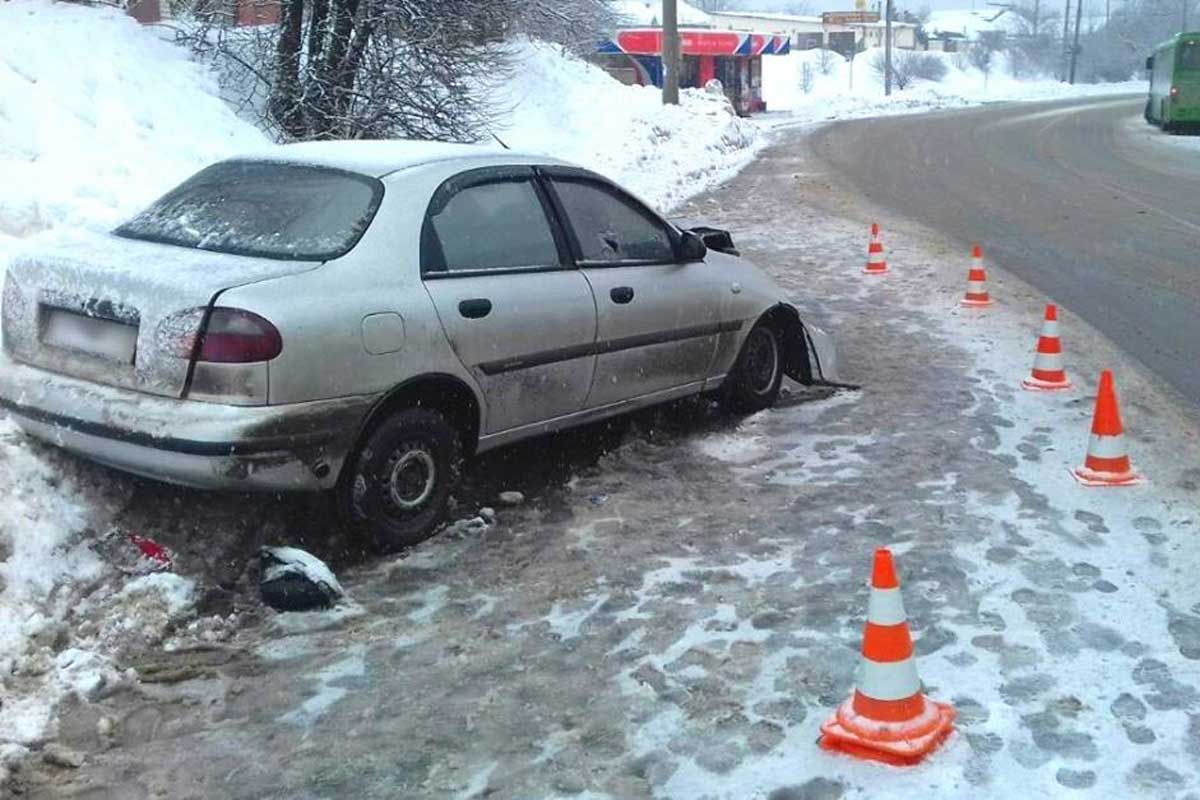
x=1077, y=198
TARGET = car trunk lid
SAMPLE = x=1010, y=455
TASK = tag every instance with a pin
x=108, y=309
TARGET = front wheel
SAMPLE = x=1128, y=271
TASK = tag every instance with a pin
x=753, y=383
x=399, y=484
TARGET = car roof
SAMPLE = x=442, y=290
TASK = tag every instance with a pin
x=380, y=157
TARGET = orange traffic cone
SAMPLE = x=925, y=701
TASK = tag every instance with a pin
x=887, y=718
x=1107, y=462
x=977, y=293
x=876, y=265
x=1048, y=372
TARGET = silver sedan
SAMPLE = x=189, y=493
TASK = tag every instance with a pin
x=359, y=317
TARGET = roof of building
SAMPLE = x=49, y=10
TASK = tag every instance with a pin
x=769, y=16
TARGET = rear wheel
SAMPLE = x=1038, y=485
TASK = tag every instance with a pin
x=754, y=382
x=398, y=485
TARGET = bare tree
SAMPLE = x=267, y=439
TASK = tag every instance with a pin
x=980, y=57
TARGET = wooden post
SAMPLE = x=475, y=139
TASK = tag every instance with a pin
x=671, y=56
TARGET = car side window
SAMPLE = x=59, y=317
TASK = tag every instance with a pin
x=495, y=225
x=611, y=228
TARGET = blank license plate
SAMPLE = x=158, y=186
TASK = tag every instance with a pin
x=105, y=338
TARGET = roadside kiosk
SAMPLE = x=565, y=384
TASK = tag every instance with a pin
x=634, y=55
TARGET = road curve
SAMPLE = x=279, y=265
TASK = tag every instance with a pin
x=1077, y=198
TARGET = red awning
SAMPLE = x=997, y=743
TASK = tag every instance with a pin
x=648, y=42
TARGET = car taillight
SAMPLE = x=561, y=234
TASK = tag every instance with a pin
x=234, y=336
x=227, y=336
x=1174, y=93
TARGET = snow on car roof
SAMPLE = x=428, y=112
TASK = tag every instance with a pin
x=379, y=157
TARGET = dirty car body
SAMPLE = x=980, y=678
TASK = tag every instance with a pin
x=249, y=329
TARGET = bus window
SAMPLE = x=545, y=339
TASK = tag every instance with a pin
x=1189, y=56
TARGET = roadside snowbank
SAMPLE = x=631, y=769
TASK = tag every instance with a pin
x=568, y=108
x=831, y=95
x=98, y=116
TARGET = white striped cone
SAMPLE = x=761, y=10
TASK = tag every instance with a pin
x=1048, y=373
x=887, y=717
x=1107, y=462
x=977, y=293
x=876, y=264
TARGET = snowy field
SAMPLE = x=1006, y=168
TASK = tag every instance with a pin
x=86, y=147
x=837, y=95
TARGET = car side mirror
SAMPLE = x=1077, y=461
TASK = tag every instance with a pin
x=1150, y=63
x=692, y=247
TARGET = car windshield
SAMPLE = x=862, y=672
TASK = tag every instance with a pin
x=266, y=209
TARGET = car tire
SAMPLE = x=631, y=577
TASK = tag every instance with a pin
x=398, y=485
x=753, y=383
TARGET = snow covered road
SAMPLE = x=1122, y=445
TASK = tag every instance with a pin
x=676, y=616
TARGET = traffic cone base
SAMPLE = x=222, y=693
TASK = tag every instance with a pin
x=1039, y=385
x=897, y=743
x=1091, y=477
x=967, y=301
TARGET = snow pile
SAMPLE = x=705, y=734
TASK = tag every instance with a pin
x=568, y=108
x=831, y=95
x=97, y=117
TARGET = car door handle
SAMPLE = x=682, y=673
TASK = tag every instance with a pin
x=475, y=308
x=621, y=294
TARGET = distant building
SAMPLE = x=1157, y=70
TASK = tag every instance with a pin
x=844, y=32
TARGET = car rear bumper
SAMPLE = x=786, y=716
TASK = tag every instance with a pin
x=298, y=446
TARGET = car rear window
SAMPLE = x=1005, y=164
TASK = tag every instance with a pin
x=256, y=208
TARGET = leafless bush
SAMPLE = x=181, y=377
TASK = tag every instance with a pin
x=806, y=77
x=825, y=60
x=908, y=65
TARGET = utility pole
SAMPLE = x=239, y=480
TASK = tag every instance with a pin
x=887, y=48
x=1075, y=46
x=1066, y=38
x=671, y=55
x=1184, y=23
